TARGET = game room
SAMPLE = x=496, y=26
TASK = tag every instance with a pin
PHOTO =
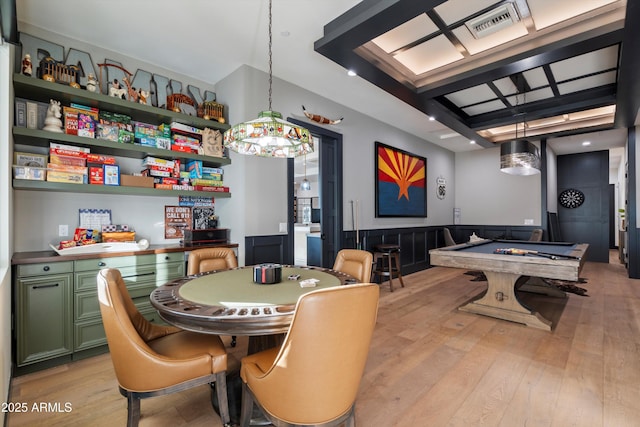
x=228, y=178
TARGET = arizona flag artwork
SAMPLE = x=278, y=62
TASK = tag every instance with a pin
x=400, y=182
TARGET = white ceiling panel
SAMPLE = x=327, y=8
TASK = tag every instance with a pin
x=587, y=82
x=429, y=55
x=536, y=77
x=472, y=95
x=415, y=29
x=531, y=96
x=484, y=107
x=549, y=12
x=457, y=10
x=505, y=86
x=475, y=46
x=588, y=63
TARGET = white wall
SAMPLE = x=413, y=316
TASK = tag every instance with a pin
x=6, y=231
x=552, y=181
x=265, y=179
x=487, y=196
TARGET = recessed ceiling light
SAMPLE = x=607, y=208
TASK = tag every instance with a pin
x=431, y=118
x=472, y=142
x=585, y=143
x=351, y=73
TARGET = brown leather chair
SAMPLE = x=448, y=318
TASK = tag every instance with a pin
x=354, y=262
x=448, y=239
x=210, y=259
x=536, y=235
x=313, y=378
x=153, y=360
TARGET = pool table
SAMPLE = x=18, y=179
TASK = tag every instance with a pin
x=503, y=263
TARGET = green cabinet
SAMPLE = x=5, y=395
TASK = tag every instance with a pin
x=57, y=310
x=43, y=312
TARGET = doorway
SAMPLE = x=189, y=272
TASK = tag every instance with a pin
x=324, y=203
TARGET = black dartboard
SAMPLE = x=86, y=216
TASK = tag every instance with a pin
x=571, y=198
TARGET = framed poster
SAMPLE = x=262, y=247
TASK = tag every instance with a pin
x=176, y=220
x=401, y=183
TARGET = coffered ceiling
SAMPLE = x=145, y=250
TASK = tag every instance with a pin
x=492, y=71
x=553, y=64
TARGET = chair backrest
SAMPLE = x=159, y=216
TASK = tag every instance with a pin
x=354, y=262
x=536, y=235
x=127, y=335
x=448, y=239
x=316, y=374
x=210, y=259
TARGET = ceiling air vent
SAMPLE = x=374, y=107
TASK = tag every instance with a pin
x=495, y=20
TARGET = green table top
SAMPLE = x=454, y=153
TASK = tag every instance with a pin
x=236, y=288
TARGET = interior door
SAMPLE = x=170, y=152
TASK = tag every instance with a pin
x=330, y=183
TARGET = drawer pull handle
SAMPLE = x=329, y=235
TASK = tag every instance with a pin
x=53, y=285
x=139, y=275
x=101, y=264
x=167, y=258
x=46, y=268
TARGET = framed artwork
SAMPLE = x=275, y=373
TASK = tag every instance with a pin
x=401, y=183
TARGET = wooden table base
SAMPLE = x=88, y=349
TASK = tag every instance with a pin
x=500, y=301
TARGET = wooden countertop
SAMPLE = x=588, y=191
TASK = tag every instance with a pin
x=35, y=257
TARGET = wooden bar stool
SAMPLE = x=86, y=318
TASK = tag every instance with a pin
x=386, y=258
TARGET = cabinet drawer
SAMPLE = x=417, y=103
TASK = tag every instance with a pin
x=170, y=257
x=134, y=277
x=114, y=262
x=87, y=306
x=45, y=269
x=89, y=334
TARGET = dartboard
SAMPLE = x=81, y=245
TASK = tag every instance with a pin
x=571, y=198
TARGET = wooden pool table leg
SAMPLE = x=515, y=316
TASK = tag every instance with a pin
x=501, y=302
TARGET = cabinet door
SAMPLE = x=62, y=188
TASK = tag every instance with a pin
x=44, y=318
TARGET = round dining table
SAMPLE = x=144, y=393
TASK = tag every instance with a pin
x=229, y=302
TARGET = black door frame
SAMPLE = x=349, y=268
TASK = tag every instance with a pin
x=338, y=223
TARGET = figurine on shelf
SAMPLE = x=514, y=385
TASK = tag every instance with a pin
x=52, y=122
x=116, y=90
x=92, y=83
x=143, y=96
x=27, y=67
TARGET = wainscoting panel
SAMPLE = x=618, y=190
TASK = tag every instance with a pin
x=263, y=249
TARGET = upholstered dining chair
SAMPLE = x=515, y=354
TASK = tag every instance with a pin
x=448, y=239
x=313, y=378
x=210, y=259
x=354, y=262
x=152, y=360
x=536, y=235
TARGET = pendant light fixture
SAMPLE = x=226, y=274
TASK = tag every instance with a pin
x=305, y=185
x=269, y=135
x=519, y=157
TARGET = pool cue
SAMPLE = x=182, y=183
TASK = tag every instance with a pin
x=550, y=255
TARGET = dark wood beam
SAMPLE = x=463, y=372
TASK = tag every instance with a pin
x=628, y=82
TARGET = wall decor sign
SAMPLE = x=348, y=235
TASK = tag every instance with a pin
x=401, y=183
x=441, y=187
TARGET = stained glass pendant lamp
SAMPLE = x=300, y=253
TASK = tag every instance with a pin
x=269, y=135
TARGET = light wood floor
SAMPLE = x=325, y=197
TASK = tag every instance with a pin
x=430, y=365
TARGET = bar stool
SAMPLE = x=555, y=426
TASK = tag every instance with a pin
x=386, y=258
